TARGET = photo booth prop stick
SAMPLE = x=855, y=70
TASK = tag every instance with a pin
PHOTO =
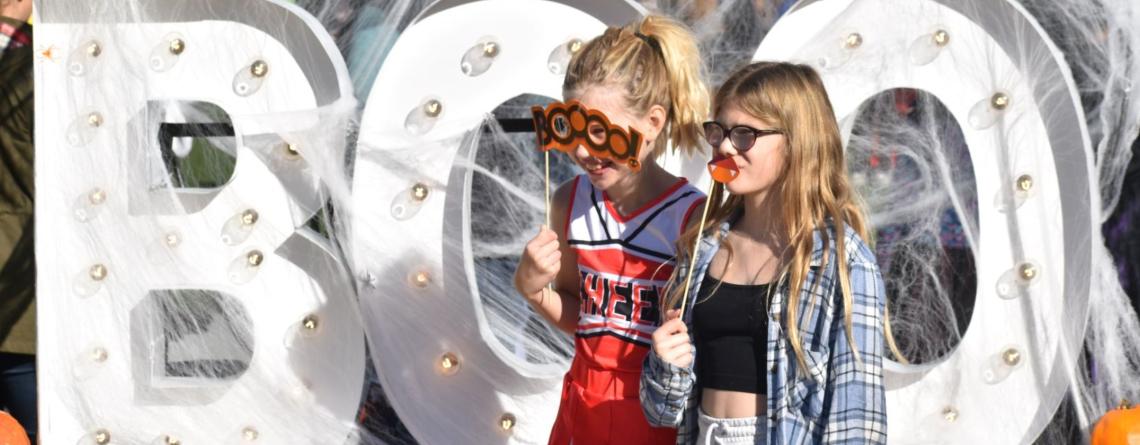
x=722, y=170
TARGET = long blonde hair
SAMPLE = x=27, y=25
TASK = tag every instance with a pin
x=813, y=186
x=655, y=61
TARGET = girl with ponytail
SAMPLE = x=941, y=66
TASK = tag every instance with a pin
x=611, y=248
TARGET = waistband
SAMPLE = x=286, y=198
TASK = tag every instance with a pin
x=742, y=430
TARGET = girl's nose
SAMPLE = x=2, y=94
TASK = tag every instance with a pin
x=581, y=152
x=725, y=148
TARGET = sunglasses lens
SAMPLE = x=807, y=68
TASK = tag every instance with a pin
x=742, y=138
x=714, y=134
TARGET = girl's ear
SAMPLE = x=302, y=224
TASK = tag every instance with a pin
x=658, y=116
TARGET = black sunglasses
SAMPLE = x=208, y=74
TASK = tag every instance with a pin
x=741, y=136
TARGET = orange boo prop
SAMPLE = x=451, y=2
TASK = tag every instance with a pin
x=565, y=126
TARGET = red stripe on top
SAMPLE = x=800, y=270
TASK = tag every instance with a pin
x=618, y=262
x=651, y=204
x=689, y=213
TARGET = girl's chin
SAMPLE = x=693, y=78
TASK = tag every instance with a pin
x=738, y=187
x=603, y=178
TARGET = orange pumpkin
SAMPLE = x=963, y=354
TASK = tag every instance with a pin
x=1120, y=426
x=11, y=433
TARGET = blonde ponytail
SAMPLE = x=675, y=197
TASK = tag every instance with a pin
x=687, y=90
x=657, y=62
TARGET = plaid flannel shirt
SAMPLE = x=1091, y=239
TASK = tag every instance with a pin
x=17, y=189
x=837, y=400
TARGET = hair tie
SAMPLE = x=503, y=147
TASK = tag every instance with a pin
x=652, y=42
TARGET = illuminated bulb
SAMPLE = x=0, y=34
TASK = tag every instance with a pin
x=433, y=108
x=507, y=422
x=93, y=49
x=97, y=272
x=420, y=191
x=853, y=40
x=999, y=101
x=177, y=46
x=1011, y=356
x=941, y=37
x=310, y=323
x=254, y=258
x=102, y=437
x=985, y=113
x=1027, y=271
x=421, y=279
x=259, y=68
x=574, y=46
x=423, y=117
x=97, y=196
x=490, y=49
x=448, y=364
x=172, y=239
x=249, y=434
x=950, y=414
x=99, y=355
x=94, y=119
x=249, y=217
x=1025, y=183
x=172, y=441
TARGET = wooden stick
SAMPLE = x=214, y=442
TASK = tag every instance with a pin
x=696, y=245
x=546, y=155
x=546, y=160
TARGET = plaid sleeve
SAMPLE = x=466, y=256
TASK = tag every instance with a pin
x=857, y=413
x=665, y=388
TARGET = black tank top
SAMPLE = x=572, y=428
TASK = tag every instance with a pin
x=730, y=328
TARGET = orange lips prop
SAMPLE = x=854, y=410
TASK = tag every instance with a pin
x=723, y=169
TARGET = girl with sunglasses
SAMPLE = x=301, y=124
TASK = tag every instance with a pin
x=787, y=306
x=611, y=247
